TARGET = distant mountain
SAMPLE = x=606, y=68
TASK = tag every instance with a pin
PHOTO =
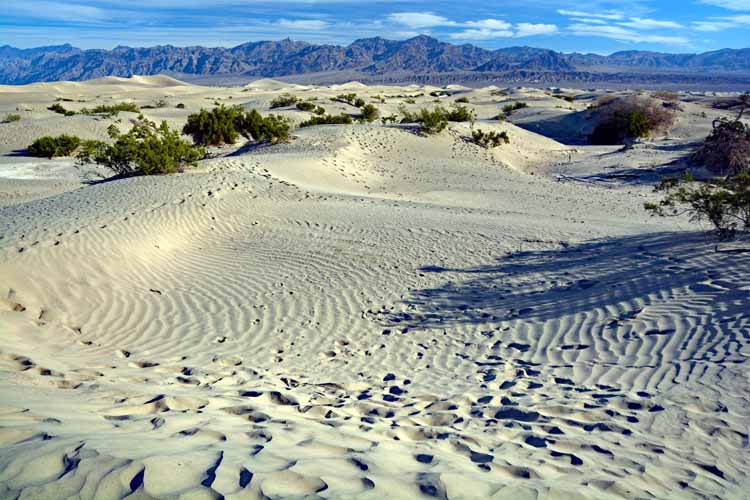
x=372, y=56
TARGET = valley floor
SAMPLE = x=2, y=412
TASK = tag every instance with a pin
x=367, y=313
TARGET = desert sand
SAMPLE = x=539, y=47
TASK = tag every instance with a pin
x=365, y=312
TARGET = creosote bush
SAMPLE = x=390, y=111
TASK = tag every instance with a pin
x=623, y=120
x=224, y=125
x=510, y=108
x=342, y=119
x=369, y=113
x=489, y=139
x=726, y=151
x=51, y=147
x=464, y=100
x=283, y=101
x=723, y=202
x=146, y=149
x=60, y=109
x=111, y=109
x=10, y=118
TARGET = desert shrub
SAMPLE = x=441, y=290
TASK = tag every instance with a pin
x=489, y=139
x=723, y=202
x=726, y=151
x=342, y=119
x=626, y=119
x=111, y=109
x=283, y=101
x=50, y=147
x=461, y=114
x=432, y=121
x=180, y=105
x=10, y=118
x=224, y=125
x=409, y=100
x=464, y=100
x=369, y=113
x=510, y=108
x=389, y=119
x=306, y=106
x=146, y=149
x=58, y=108
x=319, y=110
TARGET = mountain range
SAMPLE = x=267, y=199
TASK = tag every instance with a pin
x=421, y=55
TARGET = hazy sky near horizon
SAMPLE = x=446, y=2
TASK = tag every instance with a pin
x=601, y=26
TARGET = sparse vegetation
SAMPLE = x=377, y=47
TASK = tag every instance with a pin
x=726, y=151
x=283, y=101
x=60, y=109
x=51, y=147
x=10, y=118
x=626, y=119
x=369, y=113
x=111, y=109
x=464, y=100
x=342, y=119
x=489, y=139
x=146, y=149
x=311, y=107
x=385, y=120
x=723, y=202
x=224, y=125
x=461, y=114
x=350, y=99
x=180, y=105
x=510, y=108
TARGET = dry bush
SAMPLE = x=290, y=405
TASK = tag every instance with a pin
x=726, y=151
x=628, y=118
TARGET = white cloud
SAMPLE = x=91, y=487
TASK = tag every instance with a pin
x=729, y=4
x=303, y=24
x=481, y=34
x=417, y=20
x=610, y=15
x=650, y=24
x=490, y=24
x=714, y=24
x=624, y=35
x=529, y=29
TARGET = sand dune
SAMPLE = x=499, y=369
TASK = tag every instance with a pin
x=365, y=313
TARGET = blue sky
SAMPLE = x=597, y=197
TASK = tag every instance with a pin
x=600, y=26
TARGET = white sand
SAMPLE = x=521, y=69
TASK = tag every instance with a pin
x=363, y=313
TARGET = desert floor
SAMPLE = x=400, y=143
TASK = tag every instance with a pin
x=365, y=312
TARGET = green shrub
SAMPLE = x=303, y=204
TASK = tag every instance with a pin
x=510, y=108
x=146, y=149
x=180, y=105
x=306, y=106
x=723, y=202
x=283, y=101
x=90, y=150
x=389, y=119
x=58, y=108
x=111, y=109
x=224, y=125
x=10, y=118
x=461, y=114
x=342, y=119
x=369, y=113
x=410, y=101
x=464, y=100
x=433, y=121
x=489, y=139
x=51, y=147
